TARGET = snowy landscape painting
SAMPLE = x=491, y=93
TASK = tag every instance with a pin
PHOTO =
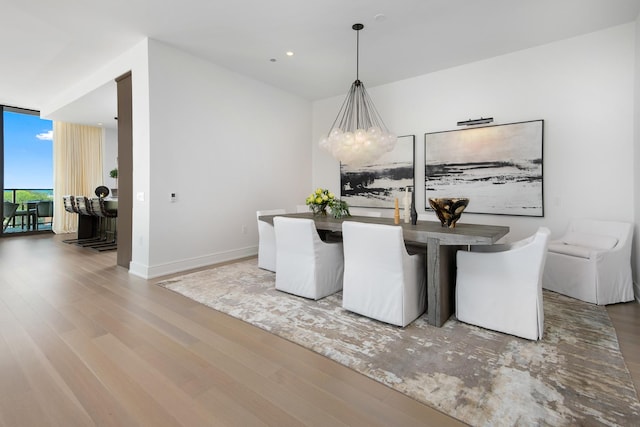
x=378, y=184
x=499, y=168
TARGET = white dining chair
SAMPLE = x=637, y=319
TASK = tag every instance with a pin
x=592, y=262
x=381, y=280
x=499, y=287
x=267, y=240
x=337, y=235
x=305, y=265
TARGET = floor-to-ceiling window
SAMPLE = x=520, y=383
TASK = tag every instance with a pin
x=26, y=166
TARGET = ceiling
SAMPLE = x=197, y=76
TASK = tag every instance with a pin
x=48, y=46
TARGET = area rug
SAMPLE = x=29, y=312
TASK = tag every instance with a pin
x=574, y=376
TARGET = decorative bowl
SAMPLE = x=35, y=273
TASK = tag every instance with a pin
x=448, y=209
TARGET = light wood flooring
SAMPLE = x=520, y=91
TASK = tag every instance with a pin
x=84, y=343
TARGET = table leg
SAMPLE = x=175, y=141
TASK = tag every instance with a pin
x=441, y=275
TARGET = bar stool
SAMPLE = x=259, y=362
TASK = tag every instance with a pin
x=83, y=204
x=106, y=227
x=69, y=204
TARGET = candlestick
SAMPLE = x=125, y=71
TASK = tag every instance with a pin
x=407, y=206
x=396, y=215
x=414, y=213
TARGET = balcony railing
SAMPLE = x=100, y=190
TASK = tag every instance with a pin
x=27, y=198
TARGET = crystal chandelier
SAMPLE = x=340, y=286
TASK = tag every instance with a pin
x=358, y=135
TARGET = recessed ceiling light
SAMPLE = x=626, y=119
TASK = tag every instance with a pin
x=380, y=17
x=99, y=124
x=289, y=53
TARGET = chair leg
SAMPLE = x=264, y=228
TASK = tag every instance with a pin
x=110, y=243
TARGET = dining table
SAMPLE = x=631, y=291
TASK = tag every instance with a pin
x=440, y=244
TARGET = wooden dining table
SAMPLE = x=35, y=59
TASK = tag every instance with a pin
x=440, y=244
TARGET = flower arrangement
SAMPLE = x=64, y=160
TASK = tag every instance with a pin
x=321, y=199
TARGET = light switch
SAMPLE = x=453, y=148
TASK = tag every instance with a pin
x=140, y=196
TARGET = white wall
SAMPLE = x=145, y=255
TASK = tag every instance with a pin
x=109, y=156
x=580, y=87
x=134, y=60
x=227, y=145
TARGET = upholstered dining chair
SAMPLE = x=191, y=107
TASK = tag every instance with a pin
x=592, y=262
x=305, y=265
x=267, y=240
x=499, y=287
x=381, y=280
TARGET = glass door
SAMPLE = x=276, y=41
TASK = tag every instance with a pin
x=27, y=171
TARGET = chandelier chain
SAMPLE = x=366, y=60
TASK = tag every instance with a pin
x=357, y=55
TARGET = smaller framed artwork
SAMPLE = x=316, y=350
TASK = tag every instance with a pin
x=498, y=168
x=377, y=185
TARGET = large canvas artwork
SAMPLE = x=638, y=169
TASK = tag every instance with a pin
x=377, y=185
x=499, y=168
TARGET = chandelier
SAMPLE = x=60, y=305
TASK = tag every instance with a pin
x=358, y=134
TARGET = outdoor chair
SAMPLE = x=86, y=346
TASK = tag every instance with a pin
x=8, y=212
x=44, y=209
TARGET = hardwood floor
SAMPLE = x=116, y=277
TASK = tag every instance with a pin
x=84, y=343
x=626, y=320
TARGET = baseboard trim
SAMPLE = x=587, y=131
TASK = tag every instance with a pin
x=151, y=272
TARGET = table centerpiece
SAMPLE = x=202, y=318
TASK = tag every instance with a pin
x=322, y=199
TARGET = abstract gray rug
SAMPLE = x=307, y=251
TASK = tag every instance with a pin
x=574, y=376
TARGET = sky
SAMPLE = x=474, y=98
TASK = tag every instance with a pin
x=28, y=152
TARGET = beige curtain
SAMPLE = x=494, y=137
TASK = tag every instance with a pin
x=77, y=168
